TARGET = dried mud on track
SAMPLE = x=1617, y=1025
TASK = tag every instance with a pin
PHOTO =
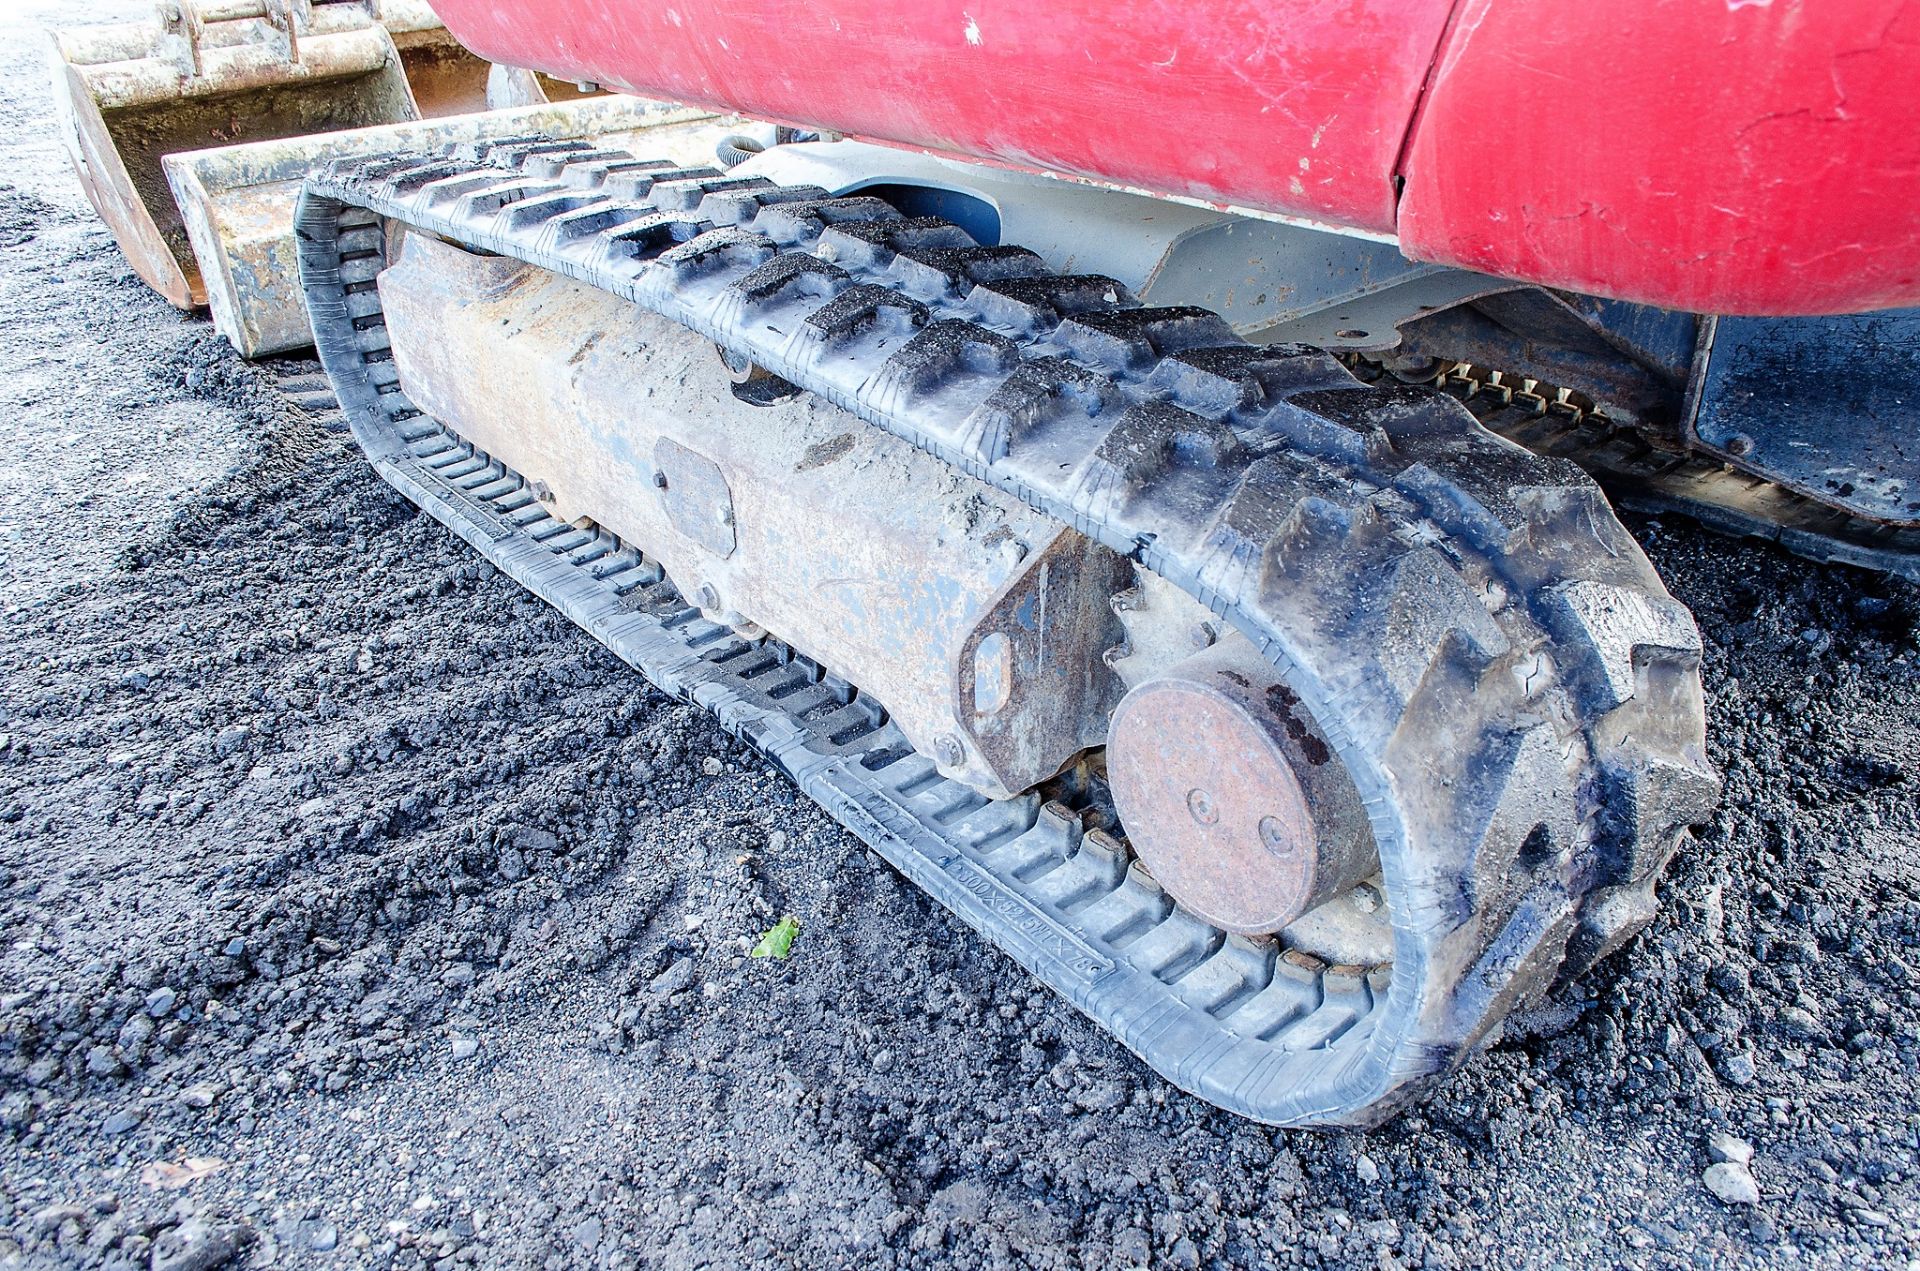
x=358, y=911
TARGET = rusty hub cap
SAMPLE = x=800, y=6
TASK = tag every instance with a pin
x=1205, y=783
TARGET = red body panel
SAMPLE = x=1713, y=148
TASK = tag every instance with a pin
x=1733, y=156
x=1298, y=106
x=1730, y=156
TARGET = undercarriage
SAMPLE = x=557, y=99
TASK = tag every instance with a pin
x=1296, y=729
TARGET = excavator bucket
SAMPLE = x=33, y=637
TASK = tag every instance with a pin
x=203, y=73
x=445, y=78
x=236, y=203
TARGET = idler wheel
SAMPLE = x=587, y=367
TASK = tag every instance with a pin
x=1231, y=797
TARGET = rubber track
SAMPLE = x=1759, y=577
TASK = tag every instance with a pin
x=1514, y=692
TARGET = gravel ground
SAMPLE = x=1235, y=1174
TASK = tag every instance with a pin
x=360, y=912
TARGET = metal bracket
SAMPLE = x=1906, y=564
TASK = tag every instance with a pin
x=1823, y=406
x=695, y=494
x=188, y=21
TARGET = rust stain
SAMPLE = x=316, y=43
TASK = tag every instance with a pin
x=1281, y=700
x=820, y=454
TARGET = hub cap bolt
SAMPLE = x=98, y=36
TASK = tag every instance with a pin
x=1200, y=807
x=949, y=752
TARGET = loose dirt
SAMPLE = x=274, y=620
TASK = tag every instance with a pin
x=358, y=911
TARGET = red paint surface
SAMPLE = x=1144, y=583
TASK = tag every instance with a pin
x=1298, y=106
x=1735, y=156
x=1699, y=154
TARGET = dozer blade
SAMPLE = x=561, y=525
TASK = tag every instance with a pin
x=236, y=203
x=216, y=72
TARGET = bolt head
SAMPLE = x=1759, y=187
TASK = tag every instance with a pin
x=1203, y=635
x=1201, y=807
x=948, y=751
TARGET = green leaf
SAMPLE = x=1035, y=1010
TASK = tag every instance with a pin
x=778, y=941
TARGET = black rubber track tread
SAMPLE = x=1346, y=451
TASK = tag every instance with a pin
x=1514, y=692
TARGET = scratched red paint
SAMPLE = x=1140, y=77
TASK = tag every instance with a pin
x=1742, y=156
x=1700, y=154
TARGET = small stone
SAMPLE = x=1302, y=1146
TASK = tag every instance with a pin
x=160, y=1002
x=1383, y=1231
x=710, y=766
x=1731, y=1182
x=102, y=1062
x=1103, y=1096
x=673, y=979
x=531, y=840
x=1737, y=1068
x=198, y=1245
x=53, y=1217
x=1365, y=1169
x=465, y=1047
x=202, y=1094
x=134, y=1035
x=1722, y=1146
x=458, y=975
x=323, y=1237
x=776, y=841
x=119, y=1122
x=236, y=948
x=587, y=1234
x=1132, y=1247
x=229, y=739
x=1799, y=1023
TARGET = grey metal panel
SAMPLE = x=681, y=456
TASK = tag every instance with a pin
x=1829, y=407
x=1252, y=272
